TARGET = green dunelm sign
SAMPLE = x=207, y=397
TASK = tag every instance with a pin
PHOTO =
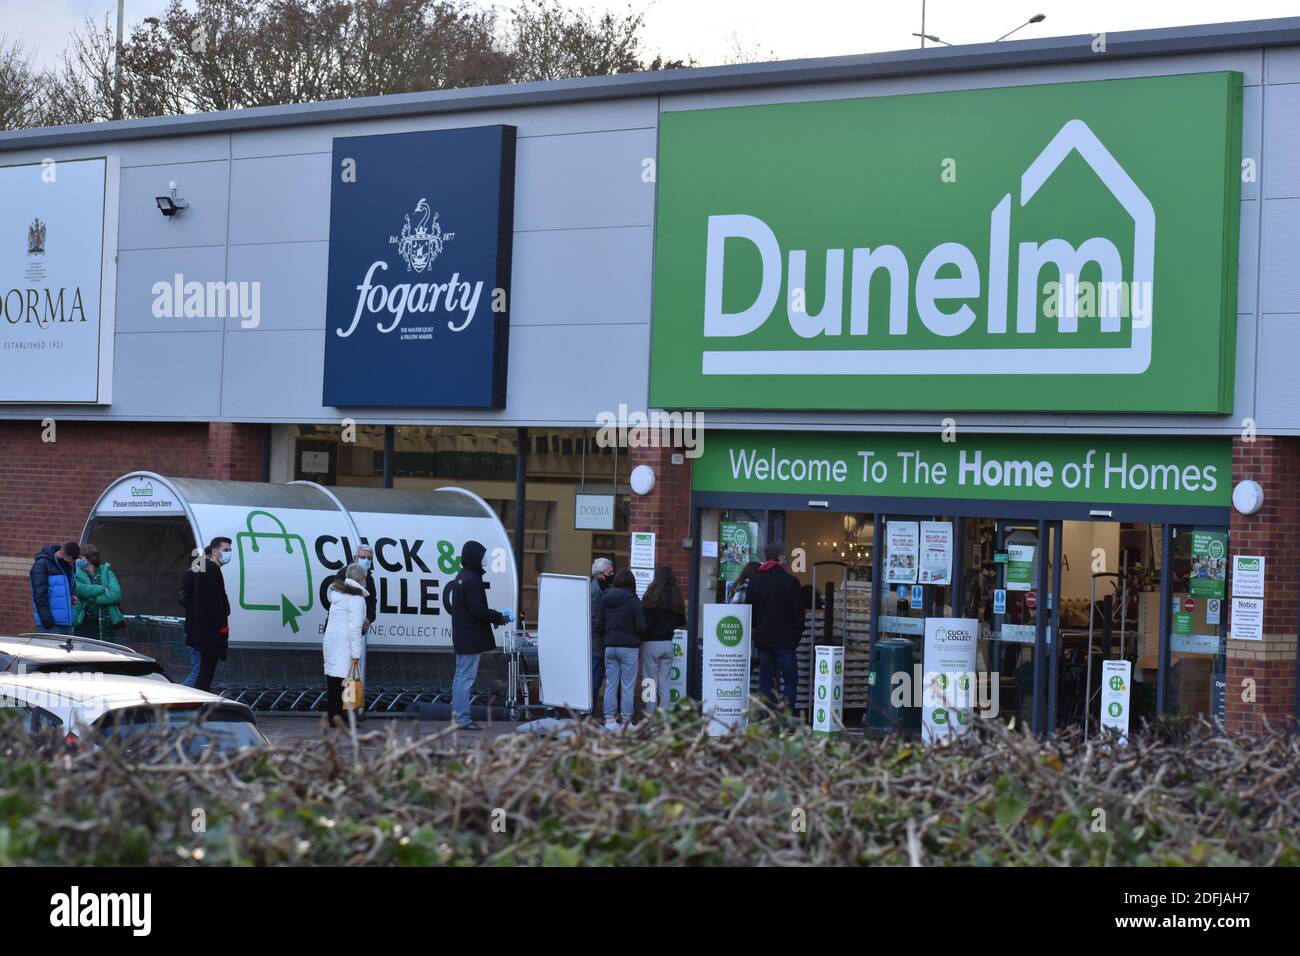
x=1067, y=247
x=1128, y=469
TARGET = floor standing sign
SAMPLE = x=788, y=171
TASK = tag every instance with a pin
x=1116, y=678
x=947, y=701
x=677, y=676
x=725, y=685
x=828, y=690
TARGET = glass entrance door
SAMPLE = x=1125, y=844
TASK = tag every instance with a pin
x=1196, y=622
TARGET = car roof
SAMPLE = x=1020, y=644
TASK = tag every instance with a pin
x=15, y=644
x=40, y=654
x=108, y=692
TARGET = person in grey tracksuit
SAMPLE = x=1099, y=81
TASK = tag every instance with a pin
x=620, y=623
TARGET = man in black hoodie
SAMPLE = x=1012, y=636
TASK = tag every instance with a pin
x=471, y=629
x=778, y=623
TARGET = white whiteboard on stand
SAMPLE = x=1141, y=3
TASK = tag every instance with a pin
x=564, y=640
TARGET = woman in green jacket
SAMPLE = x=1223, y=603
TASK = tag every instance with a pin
x=96, y=613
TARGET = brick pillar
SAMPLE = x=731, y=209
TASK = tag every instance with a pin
x=235, y=451
x=666, y=511
x=1267, y=668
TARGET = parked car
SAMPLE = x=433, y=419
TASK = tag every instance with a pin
x=91, y=708
x=54, y=654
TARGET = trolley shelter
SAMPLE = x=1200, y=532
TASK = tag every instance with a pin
x=289, y=540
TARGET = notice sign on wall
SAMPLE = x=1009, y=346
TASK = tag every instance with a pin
x=948, y=694
x=643, y=549
x=421, y=232
x=1247, y=619
x=725, y=686
x=900, y=565
x=1248, y=575
x=58, y=246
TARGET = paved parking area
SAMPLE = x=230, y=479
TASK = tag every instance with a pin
x=299, y=732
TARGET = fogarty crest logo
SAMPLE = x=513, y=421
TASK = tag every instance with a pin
x=418, y=247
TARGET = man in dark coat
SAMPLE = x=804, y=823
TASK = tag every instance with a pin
x=778, y=624
x=471, y=629
x=53, y=587
x=207, y=611
x=602, y=573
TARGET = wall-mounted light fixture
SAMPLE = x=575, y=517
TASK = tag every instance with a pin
x=1248, y=497
x=642, y=479
x=170, y=204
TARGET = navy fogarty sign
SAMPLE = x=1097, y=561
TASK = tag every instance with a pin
x=419, y=269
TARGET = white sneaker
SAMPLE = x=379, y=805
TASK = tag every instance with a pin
x=612, y=725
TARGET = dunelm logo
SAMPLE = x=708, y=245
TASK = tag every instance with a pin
x=1011, y=311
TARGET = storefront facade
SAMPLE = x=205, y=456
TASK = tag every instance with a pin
x=1040, y=294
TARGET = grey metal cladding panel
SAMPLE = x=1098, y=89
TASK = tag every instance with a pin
x=583, y=181
x=1252, y=147
x=1247, y=62
x=202, y=185
x=165, y=377
x=1247, y=260
x=531, y=121
x=275, y=375
x=139, y=269
x=1243, y=386
x=291, y=279
x=163, y=151
x=582, y=276
x=280, y=199
x=564, y=374
x=1282, y=65
x=1280, y=170
x=1279, y=289
x=1279, y=385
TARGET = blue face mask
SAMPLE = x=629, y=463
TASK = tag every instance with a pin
x=364, y=562
x=82, y=563
x=225, y=557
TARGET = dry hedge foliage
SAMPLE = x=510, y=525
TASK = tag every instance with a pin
x=667, y=794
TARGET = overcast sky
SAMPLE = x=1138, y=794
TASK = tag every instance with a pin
x=710, y=30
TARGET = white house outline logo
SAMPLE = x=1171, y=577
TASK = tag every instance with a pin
x=1074, y=136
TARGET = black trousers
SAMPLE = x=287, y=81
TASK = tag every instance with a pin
x=207, y=670
x=333, y=698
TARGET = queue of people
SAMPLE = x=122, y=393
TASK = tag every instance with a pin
x=632, y=635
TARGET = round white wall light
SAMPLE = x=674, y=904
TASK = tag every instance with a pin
x=642, y=479
x=1248, y=497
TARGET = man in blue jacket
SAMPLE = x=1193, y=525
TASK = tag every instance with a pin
x=53, y=589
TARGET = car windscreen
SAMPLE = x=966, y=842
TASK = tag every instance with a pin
x=204, y=728
x=122, y=668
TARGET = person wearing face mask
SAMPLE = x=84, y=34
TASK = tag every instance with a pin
x=365, y=557
x=207, y=613
x=97, y=614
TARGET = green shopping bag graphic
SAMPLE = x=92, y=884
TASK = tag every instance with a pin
x=274, y=571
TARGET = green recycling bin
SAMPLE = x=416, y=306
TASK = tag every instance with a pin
x=895, y=655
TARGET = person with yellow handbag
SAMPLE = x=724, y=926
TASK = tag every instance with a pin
x=342, y=643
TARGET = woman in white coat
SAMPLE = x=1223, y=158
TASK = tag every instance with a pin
x=342, y=642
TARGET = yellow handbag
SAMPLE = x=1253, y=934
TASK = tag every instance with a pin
x=354, y=691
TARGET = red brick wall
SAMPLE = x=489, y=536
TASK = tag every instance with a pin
x=50, y=487
x=665, y=511
x=1266, y=669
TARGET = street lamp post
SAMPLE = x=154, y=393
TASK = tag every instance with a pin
x=1036, y=18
